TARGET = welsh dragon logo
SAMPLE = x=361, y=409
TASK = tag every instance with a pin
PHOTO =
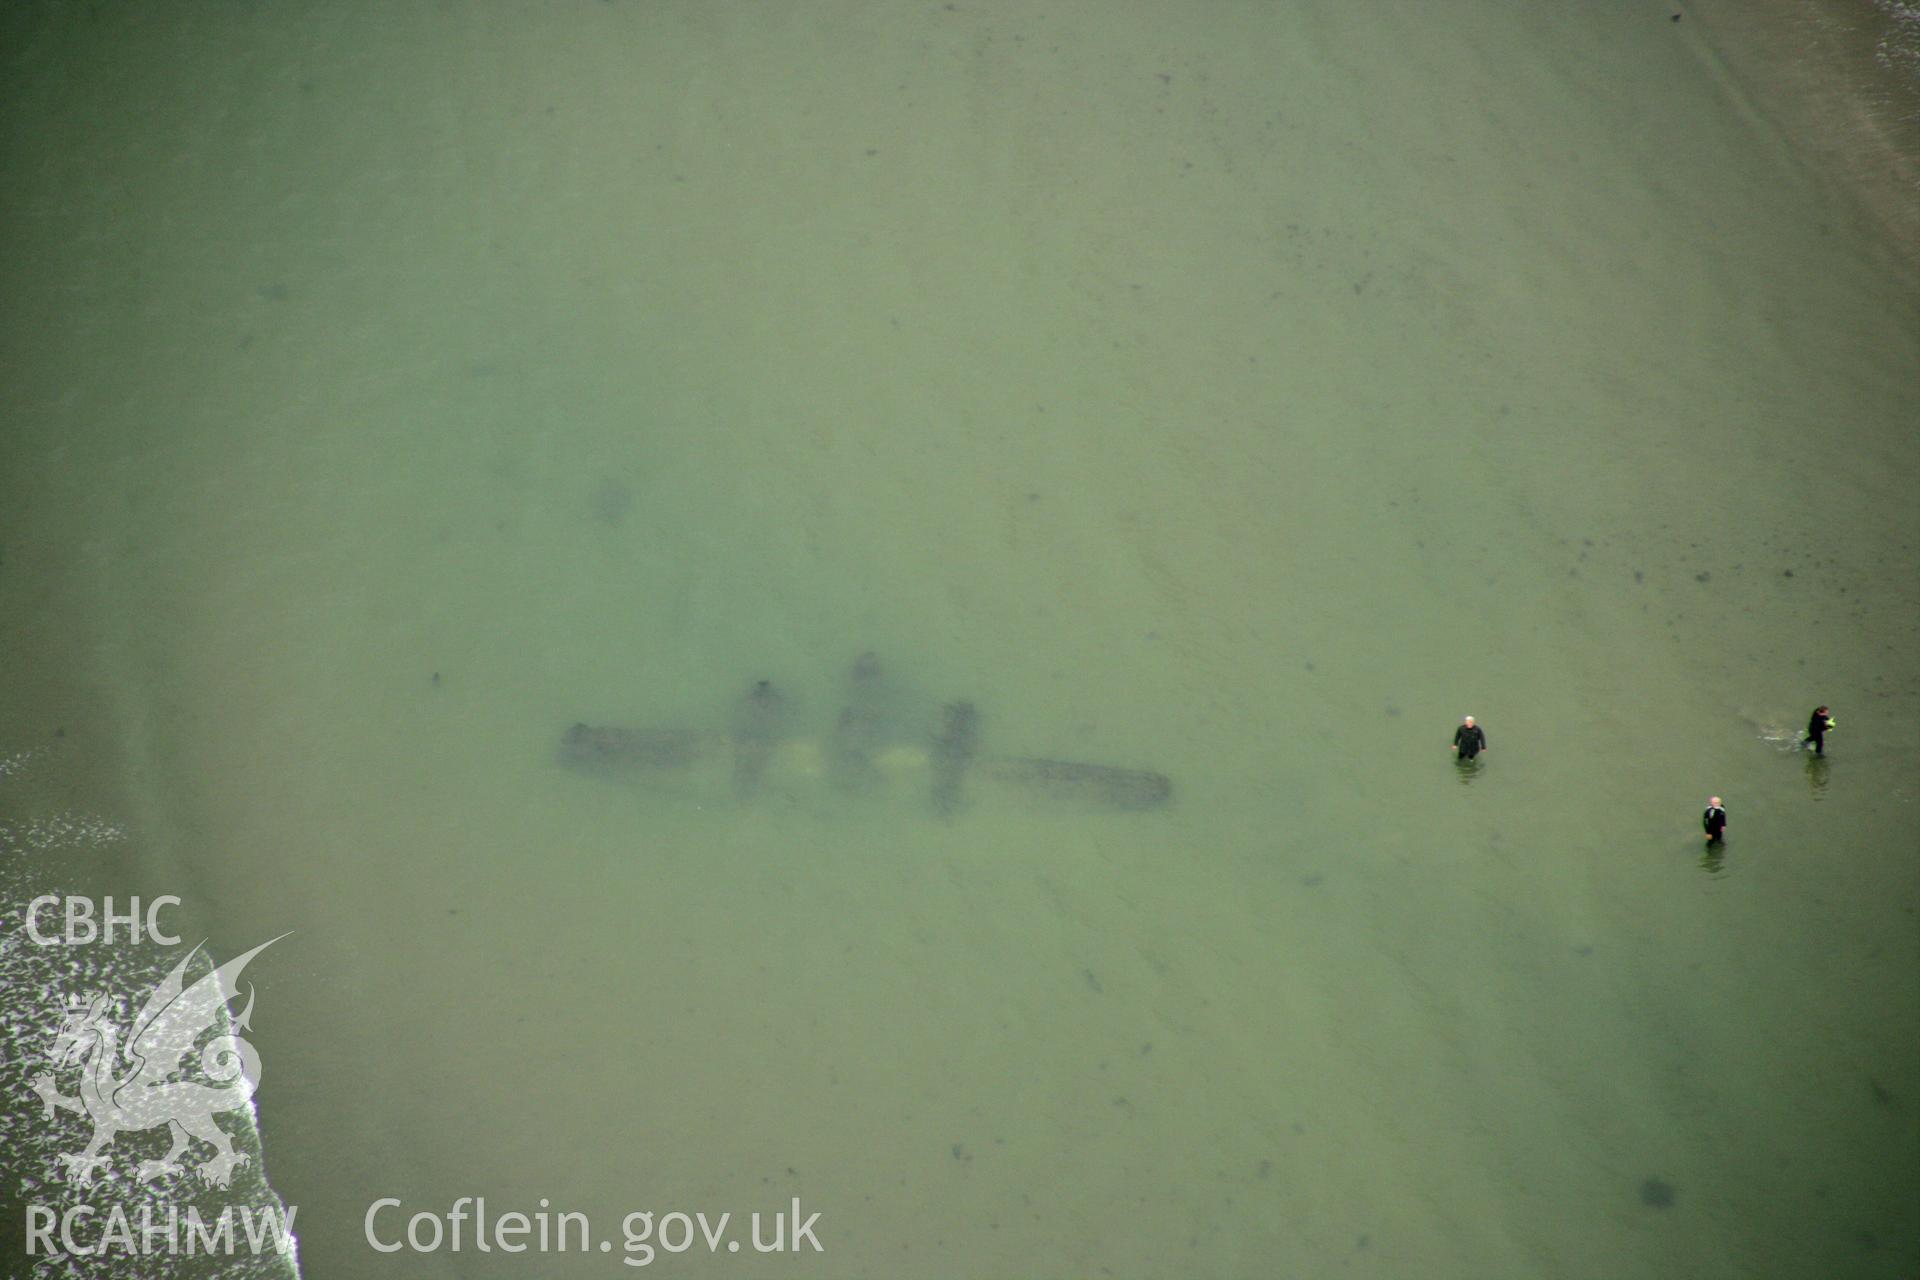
x=145, y=1084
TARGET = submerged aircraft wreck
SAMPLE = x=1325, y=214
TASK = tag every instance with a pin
x=882, y=739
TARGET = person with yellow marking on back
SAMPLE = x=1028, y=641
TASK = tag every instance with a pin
x=1817, y=726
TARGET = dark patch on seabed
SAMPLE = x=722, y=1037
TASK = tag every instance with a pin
x=854, y=756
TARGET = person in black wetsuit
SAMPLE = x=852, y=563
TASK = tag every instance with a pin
x=1817, y=726
x=1714, y=819
x=1469, y=740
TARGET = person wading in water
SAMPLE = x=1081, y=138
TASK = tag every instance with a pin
x=1817, y=725
x=1714, y=820
x=1469, y=740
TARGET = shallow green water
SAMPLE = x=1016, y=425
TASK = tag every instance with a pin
x=1241, y=394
